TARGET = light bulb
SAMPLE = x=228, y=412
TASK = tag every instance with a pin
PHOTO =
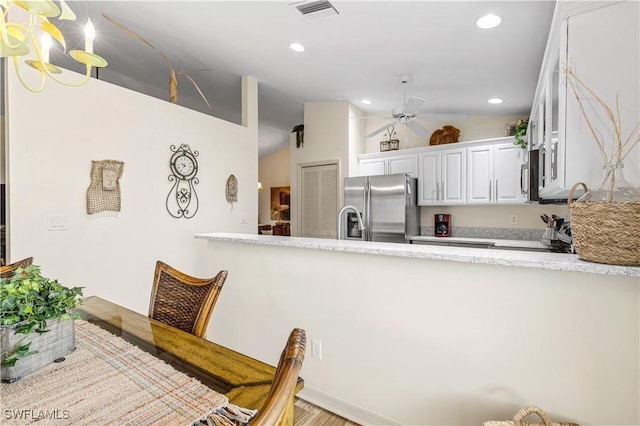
x=46, y=42
x=89, y=36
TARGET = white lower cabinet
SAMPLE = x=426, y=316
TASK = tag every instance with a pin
x=494, y=174
x=442, y=176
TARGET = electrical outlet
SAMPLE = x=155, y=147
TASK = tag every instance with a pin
x=316, y=348
x=514, y=219
x=244, y=219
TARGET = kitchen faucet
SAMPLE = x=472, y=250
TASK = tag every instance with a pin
x=341, y=212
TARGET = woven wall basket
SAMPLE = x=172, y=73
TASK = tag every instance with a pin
x=605, y=232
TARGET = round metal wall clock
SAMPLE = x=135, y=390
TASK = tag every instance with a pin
x=182, y=200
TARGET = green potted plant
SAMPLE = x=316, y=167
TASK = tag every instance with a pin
x=36, y=321
x=521, y=132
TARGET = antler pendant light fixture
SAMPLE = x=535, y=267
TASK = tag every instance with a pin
x=21, y=39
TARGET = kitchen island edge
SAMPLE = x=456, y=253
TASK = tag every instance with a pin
x=515, y=258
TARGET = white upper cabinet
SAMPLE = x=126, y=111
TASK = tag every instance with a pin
x=507, y=172
x=403, y=164
x=388, y=164
x=601, y=41
x=372, y=166
x=494, y=174
x=480, y=175
x=442, y=177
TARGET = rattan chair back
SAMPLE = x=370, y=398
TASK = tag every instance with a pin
x=183, y=301
x=274, y=410
x=8, y=271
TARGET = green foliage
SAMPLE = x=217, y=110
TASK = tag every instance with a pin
x=521, y=132
x=29, y=300
x=299, y=131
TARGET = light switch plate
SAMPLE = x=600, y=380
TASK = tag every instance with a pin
x=57, y=223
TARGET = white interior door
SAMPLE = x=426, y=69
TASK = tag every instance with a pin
x=319, y=200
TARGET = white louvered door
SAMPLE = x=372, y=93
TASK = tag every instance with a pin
x=319, y=201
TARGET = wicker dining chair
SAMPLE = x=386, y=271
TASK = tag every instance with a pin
x=183, y=301
x=278, y=408
x=8, y=271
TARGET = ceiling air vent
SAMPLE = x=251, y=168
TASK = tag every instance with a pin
x=314, y=9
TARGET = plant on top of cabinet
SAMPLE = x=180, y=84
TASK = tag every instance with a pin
x=521, y=132
x=299, y=131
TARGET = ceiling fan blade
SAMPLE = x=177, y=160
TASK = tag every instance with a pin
x=453, y=117
x=413, y=105
x=370, y=117
x=380, y=130
x=418, y=129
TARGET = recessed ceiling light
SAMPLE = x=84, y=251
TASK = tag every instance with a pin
x=366, y=101
x=297, y=47
x=495, y=101
x=488, y=21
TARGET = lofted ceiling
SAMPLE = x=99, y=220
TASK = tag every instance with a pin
x=358, y=53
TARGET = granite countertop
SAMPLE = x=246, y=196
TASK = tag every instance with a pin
x=515, y=258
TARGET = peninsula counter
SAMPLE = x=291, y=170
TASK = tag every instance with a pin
x=419, y=334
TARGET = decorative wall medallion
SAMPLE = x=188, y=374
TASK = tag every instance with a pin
x=182, y=200
x=231, y=189
x=104, y=191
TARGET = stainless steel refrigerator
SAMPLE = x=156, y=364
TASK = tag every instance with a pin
x=387, y=206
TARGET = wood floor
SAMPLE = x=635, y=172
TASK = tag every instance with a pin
x=309, y=415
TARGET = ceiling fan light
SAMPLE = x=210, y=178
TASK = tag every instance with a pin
x=488, y=21
x=296, y=47
x=495, y=101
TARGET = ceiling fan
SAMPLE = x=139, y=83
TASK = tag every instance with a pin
x=408, y=113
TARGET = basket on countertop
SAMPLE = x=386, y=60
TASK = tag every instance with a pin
x=520, y=415
x=605, y=232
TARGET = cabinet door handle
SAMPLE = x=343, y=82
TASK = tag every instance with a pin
x=490, y=193
x=496, y=189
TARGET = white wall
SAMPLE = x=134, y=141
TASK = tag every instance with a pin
x=2, y=145
x=326, y=138
x=52, y=138
x=273, y=171
x=418, y=342
x=475, y=127
x=357, y=140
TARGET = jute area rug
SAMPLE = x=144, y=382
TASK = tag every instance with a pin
x=108, y=381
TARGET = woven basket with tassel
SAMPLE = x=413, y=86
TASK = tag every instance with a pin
x=520, y=415
x=605, y=232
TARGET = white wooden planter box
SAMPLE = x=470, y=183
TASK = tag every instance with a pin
x=59, y=341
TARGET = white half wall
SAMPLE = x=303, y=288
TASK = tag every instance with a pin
x=418, y=342
x=52, y=138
